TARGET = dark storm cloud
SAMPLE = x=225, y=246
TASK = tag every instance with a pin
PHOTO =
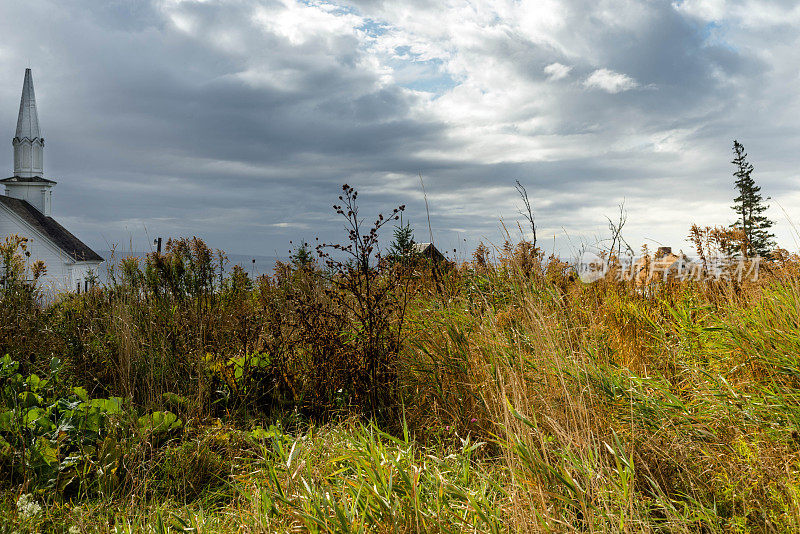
x=238, y=121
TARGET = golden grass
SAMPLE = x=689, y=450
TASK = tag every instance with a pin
x=524, y=401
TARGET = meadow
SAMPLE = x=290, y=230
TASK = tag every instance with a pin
x=395, y=394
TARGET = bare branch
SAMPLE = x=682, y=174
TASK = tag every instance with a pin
x=528, y=213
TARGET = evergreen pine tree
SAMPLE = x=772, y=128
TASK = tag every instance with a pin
x=403, y=245
x=749, y=206
x=302, y=257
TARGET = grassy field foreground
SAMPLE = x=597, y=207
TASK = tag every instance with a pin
x=488, y=397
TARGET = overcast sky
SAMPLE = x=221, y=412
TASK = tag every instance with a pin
x=239, y=120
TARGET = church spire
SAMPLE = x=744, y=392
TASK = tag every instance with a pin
x=28, y=143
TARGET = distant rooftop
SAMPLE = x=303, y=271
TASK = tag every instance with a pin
x=428, y=250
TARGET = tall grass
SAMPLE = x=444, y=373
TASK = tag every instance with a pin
x=521, y=399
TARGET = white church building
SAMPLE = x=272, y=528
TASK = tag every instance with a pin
x=26, y=207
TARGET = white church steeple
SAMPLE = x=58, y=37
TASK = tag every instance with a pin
x=28, y=183
x=25, y=209
x=28, y=143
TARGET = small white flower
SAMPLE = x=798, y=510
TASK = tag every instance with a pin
x=74, y=530
x=27, y=507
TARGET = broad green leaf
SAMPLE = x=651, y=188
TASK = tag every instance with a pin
x=112, y=405
x=93, y=421
x=47, y=450
x=6, y=419
x=29, y=399
x=34, y=415
x=33, y=382
x=8, y=366
x=159, y=422
x=67, y=405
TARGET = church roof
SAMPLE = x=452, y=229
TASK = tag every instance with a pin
x=26, y=180
x=428, y=250
x=28, y=119
x=60, y=236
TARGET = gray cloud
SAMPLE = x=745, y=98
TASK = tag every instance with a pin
x=238, y=121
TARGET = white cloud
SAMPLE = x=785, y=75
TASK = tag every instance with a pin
x=751, y=14
x=704, y=9
x=557, y=71
x=610, y=81
x=300, y=22
x=299, y=225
